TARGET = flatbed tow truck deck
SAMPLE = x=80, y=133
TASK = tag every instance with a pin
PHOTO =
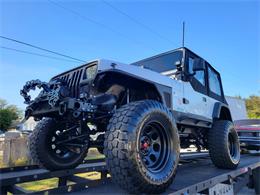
x=196, y=174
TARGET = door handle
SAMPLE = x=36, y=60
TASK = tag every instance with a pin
x=185, y=101
x=204, y=99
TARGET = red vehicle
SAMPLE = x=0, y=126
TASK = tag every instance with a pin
x=249, y=133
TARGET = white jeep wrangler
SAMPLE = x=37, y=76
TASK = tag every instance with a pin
x=142, y=114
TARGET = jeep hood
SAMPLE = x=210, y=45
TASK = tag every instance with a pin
x=104, y=65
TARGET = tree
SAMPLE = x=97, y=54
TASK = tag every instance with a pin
x=253, y=106
x=3, y=104
x=8, y=113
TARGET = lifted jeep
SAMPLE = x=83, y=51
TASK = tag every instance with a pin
x=141, y=115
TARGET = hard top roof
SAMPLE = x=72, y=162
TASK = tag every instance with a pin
x=168, y=52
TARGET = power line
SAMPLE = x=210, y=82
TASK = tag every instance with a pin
x=137, y=21
x=40, y=48
x=97, y=23
x=36, y=54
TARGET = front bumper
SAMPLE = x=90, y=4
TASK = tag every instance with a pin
x=250, y=142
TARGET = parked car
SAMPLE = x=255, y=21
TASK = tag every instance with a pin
x=249, y=133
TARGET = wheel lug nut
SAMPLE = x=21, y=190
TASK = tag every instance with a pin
x=58, y=151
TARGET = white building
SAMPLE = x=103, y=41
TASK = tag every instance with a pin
x=28, y=125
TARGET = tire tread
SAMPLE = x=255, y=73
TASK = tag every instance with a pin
x=217, y=141
x=117, y=157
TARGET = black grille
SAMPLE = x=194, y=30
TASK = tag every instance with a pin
x=74, y=77
x=73, y=80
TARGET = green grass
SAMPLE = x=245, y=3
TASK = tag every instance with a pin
x=40, y=185
x=53, y=182
x=1, y=161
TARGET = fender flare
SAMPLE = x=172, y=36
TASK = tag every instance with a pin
x=221, y=107
x=164, y=91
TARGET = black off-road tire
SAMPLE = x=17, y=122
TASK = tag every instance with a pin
x=125, y=152
x=101, y=138
x=223, y=144
x=39, y=149
x=256, y=178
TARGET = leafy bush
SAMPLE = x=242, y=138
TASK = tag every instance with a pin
x=8, y=113
x=253, y=106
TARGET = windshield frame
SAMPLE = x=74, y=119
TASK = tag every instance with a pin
x=140, y=62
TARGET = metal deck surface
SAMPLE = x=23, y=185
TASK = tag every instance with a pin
x=187, y=174
x=30, y=173
x=27, y=175
x=194, y=174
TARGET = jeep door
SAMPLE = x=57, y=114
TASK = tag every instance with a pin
x=195, y=89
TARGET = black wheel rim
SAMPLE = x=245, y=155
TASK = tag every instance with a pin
x=66, y=143
x=233, y=146
x=154, y=146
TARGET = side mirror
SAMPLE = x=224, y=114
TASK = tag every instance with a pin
x=178, y=65
x=198, y=64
